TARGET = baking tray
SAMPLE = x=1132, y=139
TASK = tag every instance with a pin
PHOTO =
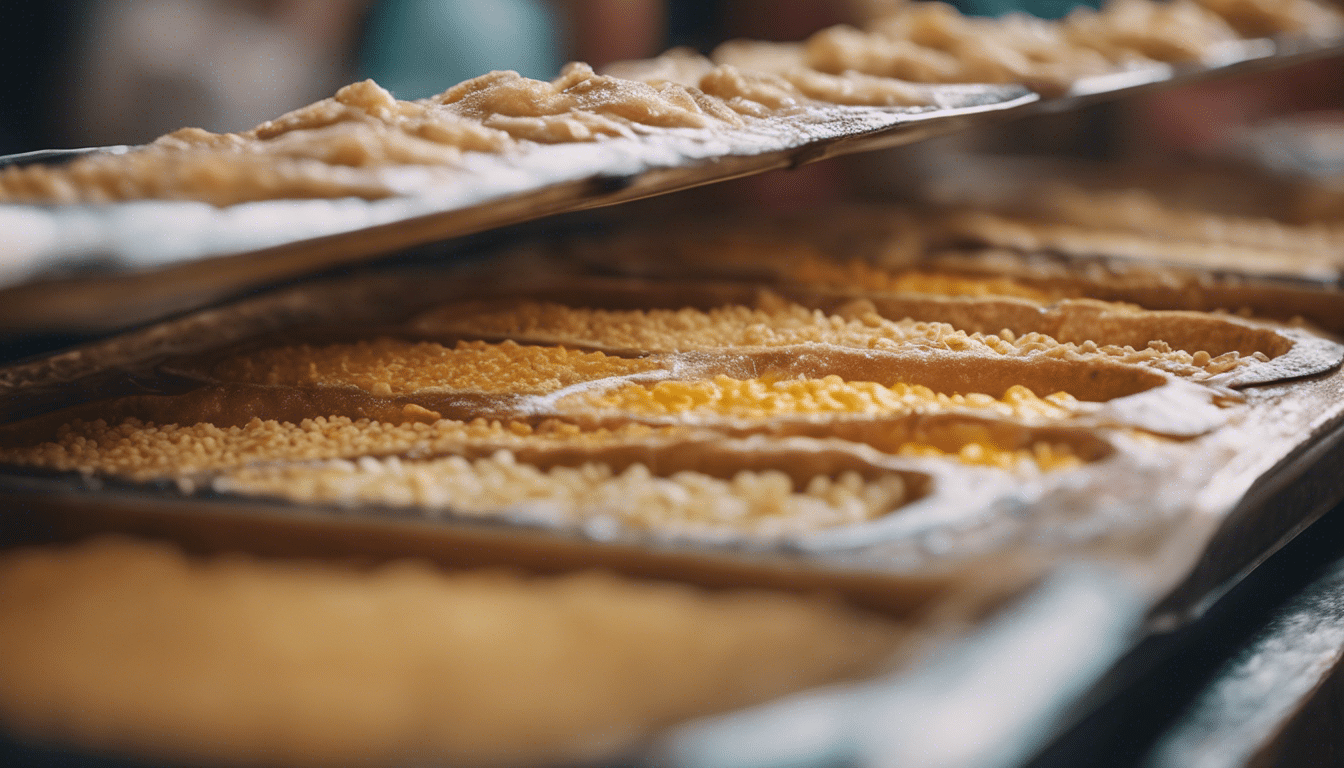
x=1274, y=699
x=1087, y=565
x=1025, y=190
x=60, y=266
x=176, y=255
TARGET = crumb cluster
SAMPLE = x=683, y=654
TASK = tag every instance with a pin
x=347, y=144
x=775, y=322
x=763, y=502
x=773, y=397
x=394, y=367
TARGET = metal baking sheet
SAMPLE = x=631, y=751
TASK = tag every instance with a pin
x=220, y=250
x=1275, y=700
x=1227, y=58
x=66, y=267
x=1209, y=518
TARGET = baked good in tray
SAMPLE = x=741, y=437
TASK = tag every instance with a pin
x=742, y=99
x=133, y=648
x=716, y=468
x=917, y=437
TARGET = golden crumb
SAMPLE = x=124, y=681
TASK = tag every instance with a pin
x=690, y=502
x=1044, y=455
x=394, y=367
x=143, y=451
x=773, y=323
x=771, y=397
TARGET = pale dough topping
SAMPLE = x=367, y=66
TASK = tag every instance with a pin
x=934, y=43
x=336, y=147
x=339, y=146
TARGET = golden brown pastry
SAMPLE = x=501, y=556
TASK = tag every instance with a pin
x=134, y=648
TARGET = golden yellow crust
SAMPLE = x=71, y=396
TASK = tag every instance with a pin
x=860, y=275
x=134, y=648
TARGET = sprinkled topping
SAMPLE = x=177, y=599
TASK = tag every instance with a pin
x=1047, y=456
x=771, y=397
x=144, y=451
x=396, y=367
x=760, y=502
x=773, y=323
x=776, y=322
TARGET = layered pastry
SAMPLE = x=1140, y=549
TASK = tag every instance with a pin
x=1119, y=239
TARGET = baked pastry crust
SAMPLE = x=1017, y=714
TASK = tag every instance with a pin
x=134, y=648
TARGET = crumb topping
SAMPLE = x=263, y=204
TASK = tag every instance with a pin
x=776, y=322
x=396, y=367
x=765, y=398
x=759, y=502
x=143, y=451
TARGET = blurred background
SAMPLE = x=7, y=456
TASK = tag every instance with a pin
x=105, y=72
x=95, y=73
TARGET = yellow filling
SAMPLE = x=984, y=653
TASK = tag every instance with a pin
x=1047, y=456
x=392, y=367
x=769, y=397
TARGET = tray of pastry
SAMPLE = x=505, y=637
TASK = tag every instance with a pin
x=363, y=173
x=1237, y=220
x=977, y=462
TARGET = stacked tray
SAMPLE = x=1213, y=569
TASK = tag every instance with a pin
x=1005, y=432
x=929, y=442
x=752, y=107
